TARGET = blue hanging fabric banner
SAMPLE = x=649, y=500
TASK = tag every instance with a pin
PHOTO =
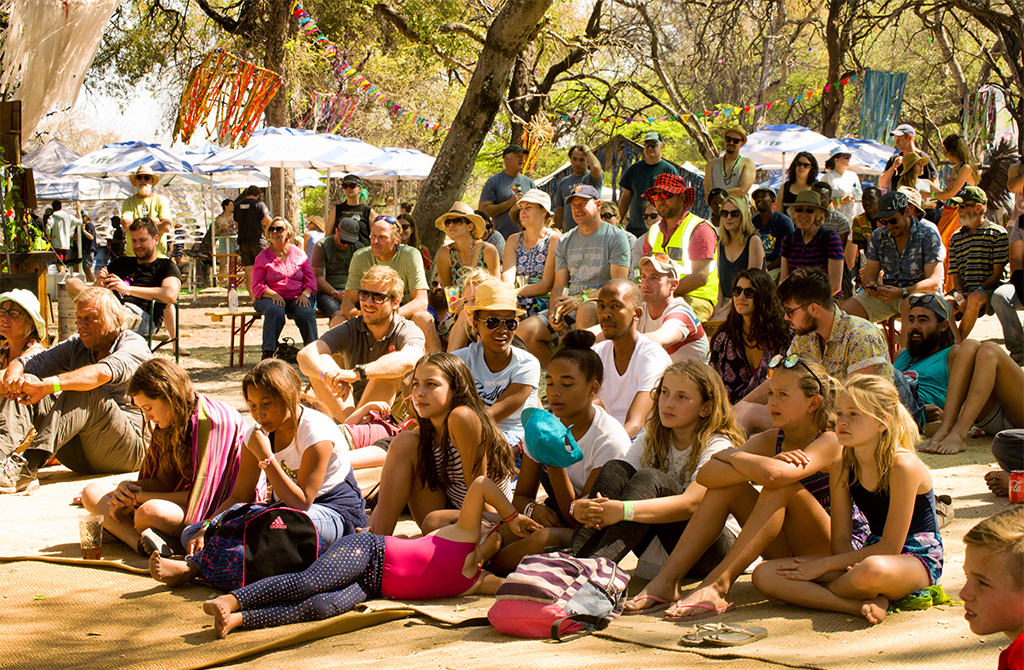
x=880, y=105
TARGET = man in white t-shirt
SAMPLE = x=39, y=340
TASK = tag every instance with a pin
x=666, y=319
x=632, y=363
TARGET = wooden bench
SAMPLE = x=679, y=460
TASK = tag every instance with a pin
x=241, y=322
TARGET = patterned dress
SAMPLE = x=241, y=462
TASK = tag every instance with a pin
x=530, y=263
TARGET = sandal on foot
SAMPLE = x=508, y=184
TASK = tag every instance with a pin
x=700, y=633
x=730, y=636
x=659, y=604
x=711, y=611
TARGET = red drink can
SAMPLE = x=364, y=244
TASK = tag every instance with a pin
x=1017, y=486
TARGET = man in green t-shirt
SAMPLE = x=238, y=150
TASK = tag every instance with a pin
x=147, y=203
x=386, y=249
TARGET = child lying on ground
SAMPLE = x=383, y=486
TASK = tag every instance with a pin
x=444, y=564
x=994, y=592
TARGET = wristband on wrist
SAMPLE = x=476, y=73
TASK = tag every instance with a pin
x=266, y=463
x=511, y=517
x=206, y=524
x=627, y=510
x=528, y=512
x=56, y=385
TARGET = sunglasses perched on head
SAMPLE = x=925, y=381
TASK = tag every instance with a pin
x=367, y=296
x=790, y=362
x=492, y=323
x=927, y=299
x=389, y=219
x=747, y=292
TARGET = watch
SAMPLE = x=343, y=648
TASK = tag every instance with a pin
x=361, y=371
x=904, y=292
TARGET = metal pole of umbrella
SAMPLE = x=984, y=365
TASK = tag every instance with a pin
x=327, y=200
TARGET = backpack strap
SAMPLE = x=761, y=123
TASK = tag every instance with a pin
x=592, y=623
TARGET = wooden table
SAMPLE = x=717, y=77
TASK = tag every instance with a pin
x=241, y=322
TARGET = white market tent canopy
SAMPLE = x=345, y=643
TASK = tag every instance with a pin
x=51, y=158
x=770, y=146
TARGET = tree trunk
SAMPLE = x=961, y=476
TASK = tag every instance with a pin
x=836, y=41
x=767, y=89
x=276, y=113
x=509, y=31
x=519, y=89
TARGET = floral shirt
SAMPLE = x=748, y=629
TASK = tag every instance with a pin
x=31, y=350
x=922, y=248
x=853, y=344
x=224, y=225
x=729, y=360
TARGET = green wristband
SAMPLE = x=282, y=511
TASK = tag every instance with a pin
x=627, y=510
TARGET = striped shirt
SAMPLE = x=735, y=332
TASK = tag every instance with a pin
x=973, y=253
x=800, y=255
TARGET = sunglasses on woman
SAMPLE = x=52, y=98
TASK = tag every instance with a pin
x=607, y=216
x=802, y=210
x=492, y=323
x=790, y=362
x=803, y=164
x=367, y=296
x=651, y=216
x=731, y=213
x=276, y=229
x=747, y=292
x=457, y=221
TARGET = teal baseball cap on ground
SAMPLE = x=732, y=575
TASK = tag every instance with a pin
x=548, y=441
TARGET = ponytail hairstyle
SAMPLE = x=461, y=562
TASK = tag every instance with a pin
x=876, y=397
x=500, y=463
x=171, y=447
x=814, y=380
x=577, y=348
x=720, y=420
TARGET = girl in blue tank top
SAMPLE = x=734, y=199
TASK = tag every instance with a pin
x=882, y=475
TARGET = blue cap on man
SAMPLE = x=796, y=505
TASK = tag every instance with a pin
x=585, y=191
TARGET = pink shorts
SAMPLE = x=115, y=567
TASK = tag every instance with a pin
x=379, y=426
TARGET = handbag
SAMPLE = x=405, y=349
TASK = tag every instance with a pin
x=287, y=351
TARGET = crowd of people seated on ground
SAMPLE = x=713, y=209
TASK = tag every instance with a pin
x=733, y=398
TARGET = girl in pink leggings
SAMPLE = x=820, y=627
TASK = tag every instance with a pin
x=443, y=564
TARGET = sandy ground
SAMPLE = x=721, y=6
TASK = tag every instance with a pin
x=46, y=524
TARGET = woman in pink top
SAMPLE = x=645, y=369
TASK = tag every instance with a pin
x=283, y=285
x=443, y=564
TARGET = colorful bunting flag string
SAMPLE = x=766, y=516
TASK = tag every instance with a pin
x=344, y=70
x=330, y=112
x=709, y=114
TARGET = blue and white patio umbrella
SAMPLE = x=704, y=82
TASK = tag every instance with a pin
x=124, y=158
x=770, y=146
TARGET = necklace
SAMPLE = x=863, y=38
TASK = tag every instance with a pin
x=727, y=178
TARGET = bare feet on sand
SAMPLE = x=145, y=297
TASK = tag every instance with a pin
x=874, y=610
x=998, y=482
x=948, y=445
x=658, y=587
x=224, y=611
x=703, y=602
x=171, y=572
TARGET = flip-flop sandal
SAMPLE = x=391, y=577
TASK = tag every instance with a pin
x=730, y=636
x=711, y=611
x=660, y=604
x=700, y=633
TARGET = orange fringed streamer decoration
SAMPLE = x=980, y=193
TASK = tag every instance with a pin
x=234, y=91
x=535, y=137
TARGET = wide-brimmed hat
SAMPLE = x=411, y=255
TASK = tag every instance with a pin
x=735, y=129
x=911, y=159
x=807, y=198
x=537, y=197
x=144, y=170
x=547, y=440
x=494, y=295
x=914, y=196
x=462, y=210
x=840, y=150
x=30, y=303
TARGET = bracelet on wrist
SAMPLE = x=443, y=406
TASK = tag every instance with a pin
x=627, y=510
x=56, y=385
x=511, y=517
x=572, y=509
x=528, y=512
x=264, y=464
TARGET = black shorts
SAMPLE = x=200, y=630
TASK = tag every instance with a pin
x=249, y=251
